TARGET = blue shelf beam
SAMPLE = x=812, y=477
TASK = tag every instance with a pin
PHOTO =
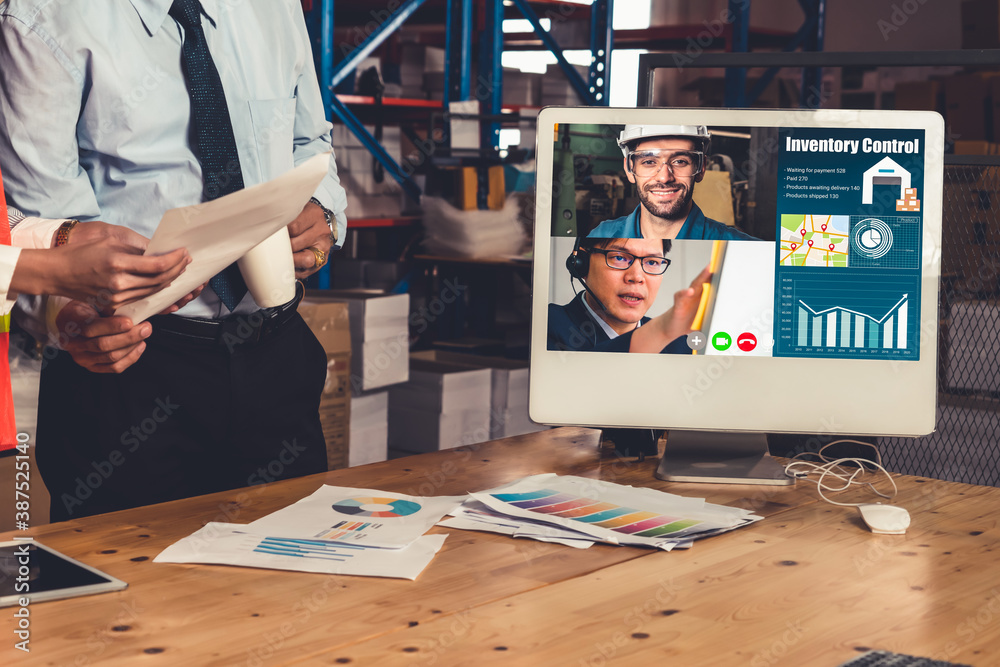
x=809, y=37
x=601, y=43
x=326, y=51
x=811, y=95
x=373, y=41
x=736, y=77
x=458, y=40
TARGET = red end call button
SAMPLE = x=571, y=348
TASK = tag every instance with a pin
x=746, y=342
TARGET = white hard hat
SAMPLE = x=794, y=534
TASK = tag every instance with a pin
x=636, y=132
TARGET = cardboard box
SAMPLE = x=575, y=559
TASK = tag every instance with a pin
x=379, y=326
x=994, y=116
x=976, y=148
x=329, y=323
x=920, y=96
x=968, y=106
x=981, y=24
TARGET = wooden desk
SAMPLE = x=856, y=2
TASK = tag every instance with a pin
x=806, y=586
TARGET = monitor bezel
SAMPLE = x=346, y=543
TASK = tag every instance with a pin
x=858, y=396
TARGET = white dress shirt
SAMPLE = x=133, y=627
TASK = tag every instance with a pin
x=95, y=113
x=31, y=233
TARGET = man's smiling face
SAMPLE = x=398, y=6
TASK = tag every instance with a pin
x=664, y=194
x=626, y=294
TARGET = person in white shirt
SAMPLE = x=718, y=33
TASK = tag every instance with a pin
x=187, y=101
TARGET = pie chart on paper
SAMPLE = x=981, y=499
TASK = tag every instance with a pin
x=376, y=507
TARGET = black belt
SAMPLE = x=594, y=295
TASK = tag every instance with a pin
x=253, y=327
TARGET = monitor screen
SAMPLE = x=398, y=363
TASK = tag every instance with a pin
x=781, y=266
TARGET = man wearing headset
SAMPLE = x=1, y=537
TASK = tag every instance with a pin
x=664, y=162
x=621, y=278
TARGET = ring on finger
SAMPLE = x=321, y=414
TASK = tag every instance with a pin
x=319, y=255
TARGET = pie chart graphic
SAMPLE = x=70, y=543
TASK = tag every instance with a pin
x=872, y=238
x=377, y=507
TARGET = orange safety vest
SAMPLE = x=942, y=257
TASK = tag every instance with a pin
x=8, y=431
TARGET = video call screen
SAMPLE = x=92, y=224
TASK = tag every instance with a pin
x=835, y=271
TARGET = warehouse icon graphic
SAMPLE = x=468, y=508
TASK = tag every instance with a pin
x=885, y=172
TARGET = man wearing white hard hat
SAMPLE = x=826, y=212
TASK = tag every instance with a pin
x=664, y=162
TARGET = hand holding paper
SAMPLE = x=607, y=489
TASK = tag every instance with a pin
x=222, y=231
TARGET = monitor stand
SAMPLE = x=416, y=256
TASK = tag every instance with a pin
x=721, y=457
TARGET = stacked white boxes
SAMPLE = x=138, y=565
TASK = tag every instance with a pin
x=367, y=198
x=379, y=336
x=508, y=390
x=442, y=406
x=369, y=428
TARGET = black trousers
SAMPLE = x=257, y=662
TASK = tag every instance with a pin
x=190, y=417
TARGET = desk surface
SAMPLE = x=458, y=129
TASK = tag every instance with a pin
x=809, y=585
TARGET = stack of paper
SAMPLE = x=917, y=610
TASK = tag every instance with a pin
x=336, y=530
x=578, y=512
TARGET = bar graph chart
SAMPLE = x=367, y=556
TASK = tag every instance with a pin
x=844, y=327
x=850, y=315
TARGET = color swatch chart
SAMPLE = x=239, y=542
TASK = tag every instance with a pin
x=345, y=530
x=597, y=513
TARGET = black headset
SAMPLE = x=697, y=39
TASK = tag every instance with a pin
x=578, y=263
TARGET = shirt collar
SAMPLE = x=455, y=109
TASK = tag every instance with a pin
x=153, y=13
x=693, y=224
x=632, y=227
x=612, y=334
x=694, y=219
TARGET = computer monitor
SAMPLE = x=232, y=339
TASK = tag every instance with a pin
x=819, y=314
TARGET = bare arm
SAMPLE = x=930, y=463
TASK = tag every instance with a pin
x=102, y=264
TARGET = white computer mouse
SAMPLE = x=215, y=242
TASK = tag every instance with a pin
x=885, y=519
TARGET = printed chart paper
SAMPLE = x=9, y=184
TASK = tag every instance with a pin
x=230, y=544
x=613, y=513
x=357, y=516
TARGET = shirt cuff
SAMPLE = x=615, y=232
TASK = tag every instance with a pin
x=8, y=260
x=35, y=233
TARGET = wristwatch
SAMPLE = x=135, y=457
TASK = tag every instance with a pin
x=331, y=221
x=62, y=234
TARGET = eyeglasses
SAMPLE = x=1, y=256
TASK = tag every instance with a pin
x=681, y=163
x=620, y=260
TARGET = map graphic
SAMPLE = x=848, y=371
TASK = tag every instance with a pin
x=814, y=240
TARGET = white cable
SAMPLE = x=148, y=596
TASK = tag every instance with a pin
x=826, y=468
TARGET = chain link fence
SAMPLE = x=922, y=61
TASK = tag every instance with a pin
x=966, y=445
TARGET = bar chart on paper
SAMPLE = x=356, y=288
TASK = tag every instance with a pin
x=852, y=316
